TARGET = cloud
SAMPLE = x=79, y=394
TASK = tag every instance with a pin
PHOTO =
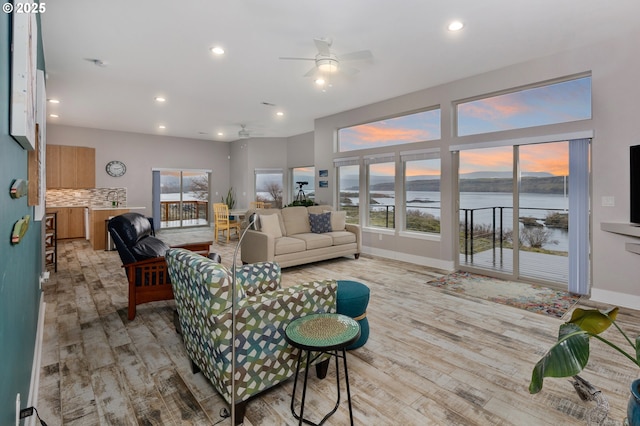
x=368, y=134
x=496, y=108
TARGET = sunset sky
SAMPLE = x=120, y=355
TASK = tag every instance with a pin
x=422, y=126
x=561, y=102
x=548, y=157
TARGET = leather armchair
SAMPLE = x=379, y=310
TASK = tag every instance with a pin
x=142, y=256
x=263, y=356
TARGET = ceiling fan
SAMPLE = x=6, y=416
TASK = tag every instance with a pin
x=328, y=62
x=245, y=133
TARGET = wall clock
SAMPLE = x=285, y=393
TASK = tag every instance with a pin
x=116, y=168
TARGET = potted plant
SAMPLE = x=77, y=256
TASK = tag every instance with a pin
x=229, y=200
x=570, y=354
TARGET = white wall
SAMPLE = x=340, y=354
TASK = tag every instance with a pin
x=142, y=153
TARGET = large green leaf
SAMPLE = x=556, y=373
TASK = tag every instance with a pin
x=593, y=320
x=566, y=358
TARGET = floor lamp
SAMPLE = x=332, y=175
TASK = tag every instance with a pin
x=252, y=221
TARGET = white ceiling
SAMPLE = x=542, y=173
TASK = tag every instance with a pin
x=161, y=48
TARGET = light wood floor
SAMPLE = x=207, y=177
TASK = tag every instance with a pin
x=432, y=358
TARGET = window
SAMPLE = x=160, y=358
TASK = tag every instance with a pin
x=422, y=191
x=181, y=198
x=550, y=104
x=349, y=189
x=269, y=187
x=381, y=189
x=303, y=184
x=417, y=127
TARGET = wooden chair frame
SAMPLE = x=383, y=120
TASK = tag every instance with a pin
x=153, y=276
x=222, y=221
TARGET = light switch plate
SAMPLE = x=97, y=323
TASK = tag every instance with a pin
x=608, y=201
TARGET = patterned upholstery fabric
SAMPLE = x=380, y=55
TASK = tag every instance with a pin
x=264, y=358
x=320, y=223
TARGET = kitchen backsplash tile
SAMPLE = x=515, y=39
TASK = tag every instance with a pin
x=94, y=197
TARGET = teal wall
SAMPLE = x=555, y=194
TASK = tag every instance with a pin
x=20, y=263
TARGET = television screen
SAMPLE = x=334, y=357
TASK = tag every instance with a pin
x=634, y=190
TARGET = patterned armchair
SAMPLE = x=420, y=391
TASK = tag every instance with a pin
x=202, y=291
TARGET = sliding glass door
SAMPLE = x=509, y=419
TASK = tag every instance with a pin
x=184, y=198
x=543, y=201
x=514, y=210
x=485, y=185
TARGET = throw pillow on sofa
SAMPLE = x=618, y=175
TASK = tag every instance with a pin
x=320, y=223
x=338, y=220
x=270, y=225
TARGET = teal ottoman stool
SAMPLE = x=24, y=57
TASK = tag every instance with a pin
x=352, y=301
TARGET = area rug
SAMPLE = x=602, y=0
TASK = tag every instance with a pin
x=533, y=298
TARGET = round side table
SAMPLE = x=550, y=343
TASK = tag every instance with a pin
x=325, y=334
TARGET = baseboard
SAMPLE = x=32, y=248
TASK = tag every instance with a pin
x=404, y=257
x=615, y=298
x=37, y=360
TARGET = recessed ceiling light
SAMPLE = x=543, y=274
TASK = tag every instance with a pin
x=53, y=101
x=455, y=26
x=217, y=50
x=320, y=81
x=162, y=127
x=220, y=134
x=279, y=113
x=160, y=99
x=54, y=115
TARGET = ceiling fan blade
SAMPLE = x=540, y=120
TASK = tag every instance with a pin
x=296, y=59
x=323, y=46
x=311, y=72
x=348, y=70
x=360, y=55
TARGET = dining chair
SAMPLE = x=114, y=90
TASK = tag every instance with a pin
x=222, y=221
x=256, y=205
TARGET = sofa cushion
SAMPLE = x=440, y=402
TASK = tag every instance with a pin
x=338, y=220
x=319, y=209
x=286, y=245
x=296, y=220
x=342, y=237
x=270, y=225
x=314, y=241
x=320, y=223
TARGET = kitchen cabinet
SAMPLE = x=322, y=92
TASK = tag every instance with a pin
x=70, y=221
x=97, y=224
x=71, y=167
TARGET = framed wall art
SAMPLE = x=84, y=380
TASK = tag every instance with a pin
x=23, y=79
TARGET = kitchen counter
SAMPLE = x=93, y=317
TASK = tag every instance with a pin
x=98, y=216
x=117, y=208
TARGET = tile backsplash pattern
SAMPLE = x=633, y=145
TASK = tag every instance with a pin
x=94, y=197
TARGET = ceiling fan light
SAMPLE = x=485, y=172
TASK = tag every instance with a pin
x=329, y=65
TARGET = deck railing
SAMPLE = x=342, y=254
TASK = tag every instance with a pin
x=495, y=232
x=384, y=216
x=185, y=210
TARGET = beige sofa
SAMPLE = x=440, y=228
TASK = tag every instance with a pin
x=292, y=236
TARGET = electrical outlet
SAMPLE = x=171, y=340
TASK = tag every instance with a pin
x=379, y=237
x=26, y=412
x=608, y=201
